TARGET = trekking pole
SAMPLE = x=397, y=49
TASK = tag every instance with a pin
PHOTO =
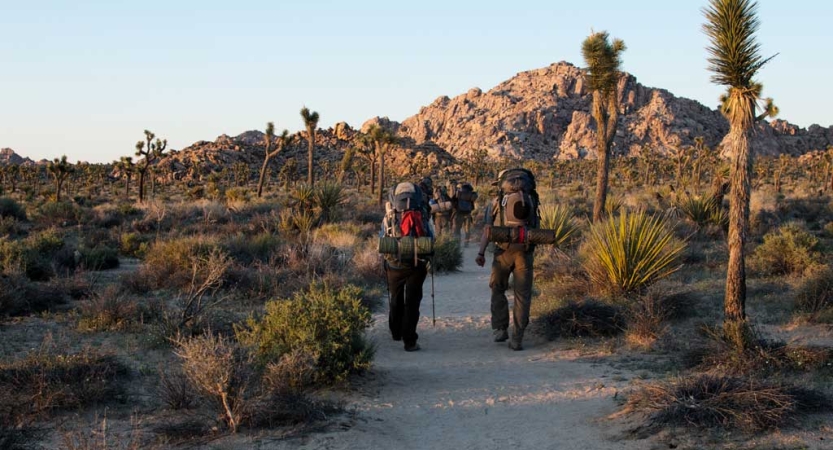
x=433, y=308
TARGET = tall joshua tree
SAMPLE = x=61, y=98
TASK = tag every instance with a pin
x=151, y=152
x=734, y=59
x=60, y=169
x=382, y=140
x=311, y=122
x=269, y=141
x=126, y=167
x=603, y=63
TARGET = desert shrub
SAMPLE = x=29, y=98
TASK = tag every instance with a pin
x=133, y=245
x=169, y=263
x=715, y=401
x=47, y=380
x=262, y=247
x=238, y=195
x=175, y=390
x=97, y=436
x=38, y=256
x=19, y=296
x=110, y=309
x=329, y=197
x=614, y=204
x=814, y=295
x=60, y=214
x=323, y=322
x=587, y=318
x=646, y=316
x=220, y=371
x=302, y=197
x=448, y=254
x=626, y=254
x=559, y=217
x=11, y=208
x=100, y=258
x=790, y=250
x=195, y=193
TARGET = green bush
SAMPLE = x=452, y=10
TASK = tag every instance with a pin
x=60, y=214
x=789, y=250
x=247, y=250
x=19, y=296
x=169, y=263
x=701, y=210
x=37, y=256
x=448, y=254
x=11, y=208
x=626, y=254
x=100, y=258
x=323, y=322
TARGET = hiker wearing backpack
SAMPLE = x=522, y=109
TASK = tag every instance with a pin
x=407, y=220
x=515, y=207
x=441, y=209
x=463, y=201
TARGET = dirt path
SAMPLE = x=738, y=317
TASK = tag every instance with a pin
x=463, y=391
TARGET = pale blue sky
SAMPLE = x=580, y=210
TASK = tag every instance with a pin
x=84, y=78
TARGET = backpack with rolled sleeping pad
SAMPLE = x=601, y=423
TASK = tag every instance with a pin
x=465, y=197
x=406, y=228
x=517, y=215
x=441, y=202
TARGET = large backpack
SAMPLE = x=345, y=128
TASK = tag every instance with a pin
x=518, y=202
x=406, y=226
x=465, y=197
x=405, y=211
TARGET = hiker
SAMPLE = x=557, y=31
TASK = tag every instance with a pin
x=441, y=208
x=516, y=206
x=463, y=201
x=406, y=215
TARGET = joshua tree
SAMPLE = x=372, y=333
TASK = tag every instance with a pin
x=603, y=63
x=12, y=172
x=268, y=141
x=311, y=122
x=151, y=152
x=125, y=167
x=734, y=59
x=346, y=163
x=60, y=169
x=382, y=141
x=365, y=147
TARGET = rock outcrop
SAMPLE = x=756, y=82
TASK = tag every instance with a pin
x=8, y=156
x=545, y=113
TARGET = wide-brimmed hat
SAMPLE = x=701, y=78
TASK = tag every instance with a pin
x=499, y=175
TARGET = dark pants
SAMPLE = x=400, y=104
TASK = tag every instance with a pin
x=406, y=294
x=462, y=223
x=518, y=263
x=442, y=223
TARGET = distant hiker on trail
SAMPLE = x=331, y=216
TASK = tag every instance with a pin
x=463, y=201
x=406, y=242
x=515, y=211
x=441, y=209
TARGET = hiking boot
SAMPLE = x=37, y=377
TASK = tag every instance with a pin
x=396, y=337
x=501, y=335
x=412, y=347
x=517, y=338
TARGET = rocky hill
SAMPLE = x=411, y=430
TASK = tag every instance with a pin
x=8, y=156
x=545, y=113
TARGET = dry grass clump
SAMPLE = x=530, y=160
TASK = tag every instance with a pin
x=720, y=401
x=587, y=318
x=448, y=255
x=47, y=380
x=169, y=263
x=814, y=295
x=111, y=309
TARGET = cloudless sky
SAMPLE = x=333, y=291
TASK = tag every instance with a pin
x=85, y=78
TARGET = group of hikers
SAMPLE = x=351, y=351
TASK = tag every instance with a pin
x=416, y=213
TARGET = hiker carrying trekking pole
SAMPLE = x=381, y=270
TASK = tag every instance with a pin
x=407, y=243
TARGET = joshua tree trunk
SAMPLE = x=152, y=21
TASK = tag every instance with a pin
x=381, y=177
x=310, y=171
x=735, y=327
x=141, y=186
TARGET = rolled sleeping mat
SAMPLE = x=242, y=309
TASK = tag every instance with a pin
x=441, y=207
x=405, y=245
x=521, y=235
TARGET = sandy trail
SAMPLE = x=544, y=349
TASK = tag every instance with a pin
x=464, y=391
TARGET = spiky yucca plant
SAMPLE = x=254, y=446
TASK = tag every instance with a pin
x=329, y=197
x=699, y=209
x=560, y=219
x=628, y=253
